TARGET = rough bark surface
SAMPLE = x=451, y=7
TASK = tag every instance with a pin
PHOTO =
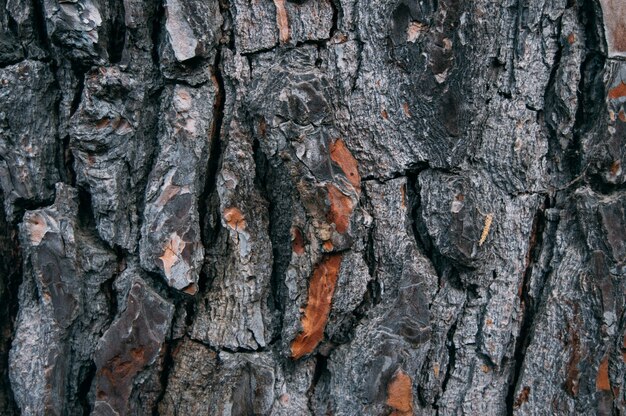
x=312, y=207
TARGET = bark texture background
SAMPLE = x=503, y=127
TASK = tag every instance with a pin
x=312, y=207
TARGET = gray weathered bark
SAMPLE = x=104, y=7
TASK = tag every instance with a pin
x=312, y=207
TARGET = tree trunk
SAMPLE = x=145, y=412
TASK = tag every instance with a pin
x=312, y=207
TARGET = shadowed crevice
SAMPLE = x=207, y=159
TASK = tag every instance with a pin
x=10, y=280
x=528, y=305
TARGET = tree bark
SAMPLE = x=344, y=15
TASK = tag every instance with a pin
x=312, y=207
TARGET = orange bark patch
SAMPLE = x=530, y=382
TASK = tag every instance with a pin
x=340, y=154
x=340, y=208
x=414, y=30
x=321, y=290
x=622, y=116
x=282, y=21
x=602, y=379
x=297, y=243
x=617, y=92
x=384, y=114
x=615, y=167
x=169, y=191
x=406, y=109
x=172, y=253
x=400, y=394
x=571, y=38
x=191, y=289
x=234, y=218
x=328, y=245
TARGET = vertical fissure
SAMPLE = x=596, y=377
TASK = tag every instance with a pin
x=117, y=33
x=451, y=363
x=157, y=28
x=336, y=6
x=207, y=231
x=528, y=305
x=85, y=386
x=11, y=279
x=166, y=370
x=207, y=209
x=41, y=28
x=591, y=90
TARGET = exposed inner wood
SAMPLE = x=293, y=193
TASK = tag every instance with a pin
x=282, y=21
x=602, y=379
x=340, y=154
x=235, y=219
x=340, y=210
x=400, y=394
x=172, y=252
x=321, y=289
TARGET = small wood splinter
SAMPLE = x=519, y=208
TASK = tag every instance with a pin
x=486, y=228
